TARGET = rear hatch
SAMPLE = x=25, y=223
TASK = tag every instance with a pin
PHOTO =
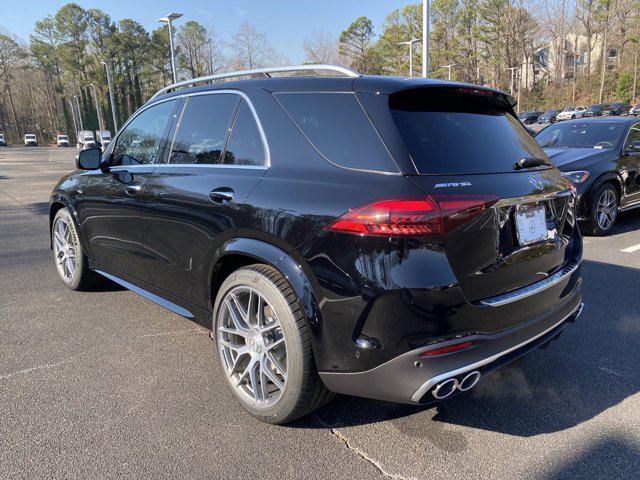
x=466, y=143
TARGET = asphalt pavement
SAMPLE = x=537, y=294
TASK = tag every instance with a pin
x=108, y=385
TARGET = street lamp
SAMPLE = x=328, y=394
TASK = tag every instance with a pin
x=410, y=43
x=79, y=111
x=95, y=98
x=449, y=67
x=425, y=38
x=513, y=72
x=75, y=124
x=168, y=19
x=113, y=104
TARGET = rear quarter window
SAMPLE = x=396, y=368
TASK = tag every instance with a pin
x=339, y=129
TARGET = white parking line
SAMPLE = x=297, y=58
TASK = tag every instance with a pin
x=632, y=249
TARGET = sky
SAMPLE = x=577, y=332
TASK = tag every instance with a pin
x=286, y=22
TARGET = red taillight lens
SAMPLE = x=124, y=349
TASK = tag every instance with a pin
x=413, y=217
x=448, y=349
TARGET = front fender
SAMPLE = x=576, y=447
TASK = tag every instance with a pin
x=56, y=200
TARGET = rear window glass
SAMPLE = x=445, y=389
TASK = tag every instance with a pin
x=339, y=129
x=456, y=134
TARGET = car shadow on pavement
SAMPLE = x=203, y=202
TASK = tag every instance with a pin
x=592, y=367
x=627, y=222
x=41, y=208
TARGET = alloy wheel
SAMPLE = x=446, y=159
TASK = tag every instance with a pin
x=64, y=249
x=607, y=209
x=252, y=347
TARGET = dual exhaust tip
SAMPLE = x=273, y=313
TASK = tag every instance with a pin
x=449, y=386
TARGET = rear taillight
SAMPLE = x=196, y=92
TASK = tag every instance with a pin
x=429, y=216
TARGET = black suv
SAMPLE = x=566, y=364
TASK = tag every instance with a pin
x=386, y=237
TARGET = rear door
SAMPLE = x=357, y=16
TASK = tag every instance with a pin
x=110, y=210
x=193, y=203
x=464, y=144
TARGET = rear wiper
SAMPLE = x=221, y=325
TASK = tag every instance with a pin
x=529, y=163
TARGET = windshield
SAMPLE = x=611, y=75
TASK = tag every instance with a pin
x=594, y=135
x=569, y=109
x=88, y=137
x=62, y=137
x=30, y=137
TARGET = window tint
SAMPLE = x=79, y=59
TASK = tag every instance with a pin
x=634, y=135
x=203, y=129
x=245, y=143
x=339, y=129
x=449, y=133
x=139, y=143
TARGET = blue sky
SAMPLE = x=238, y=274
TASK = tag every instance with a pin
x=286, y=22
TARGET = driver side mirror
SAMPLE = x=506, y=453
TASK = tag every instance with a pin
x=89, y=159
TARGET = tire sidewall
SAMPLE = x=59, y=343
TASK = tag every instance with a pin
x=296, y=365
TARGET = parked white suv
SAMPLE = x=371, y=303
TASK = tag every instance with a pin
x=571, y=112
x=3, y=142
x=62, y=140
x=30, y=140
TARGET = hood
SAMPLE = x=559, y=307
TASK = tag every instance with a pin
x=567, y=159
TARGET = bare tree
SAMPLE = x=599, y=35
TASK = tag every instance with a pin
x=320, y=47
x=253, y=50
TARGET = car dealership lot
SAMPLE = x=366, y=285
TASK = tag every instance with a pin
x=107, y=384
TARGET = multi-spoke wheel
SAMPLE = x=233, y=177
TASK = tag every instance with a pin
x=604, y=210
x=264, y=346
x=252, y=346
x=70, y=260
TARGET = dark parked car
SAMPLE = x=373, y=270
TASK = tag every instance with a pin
x=549, y=116
x=528, y=118
x=372, y=236
x=596, y=110
x=617, y=108
x=601, y=156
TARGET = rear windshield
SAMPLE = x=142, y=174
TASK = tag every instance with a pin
x=593, y=135
x=448, y=133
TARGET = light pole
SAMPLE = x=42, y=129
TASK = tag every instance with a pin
x=113, y=104
x=513, y=72
x=168, y=19
x=95, y=98
x=79, y=111
x=410, y=43
x=449, y=67
x=73, y=116
x=425, y=38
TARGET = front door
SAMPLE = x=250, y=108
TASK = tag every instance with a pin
x=193, y=203
x=110, y=212
x=629, y=166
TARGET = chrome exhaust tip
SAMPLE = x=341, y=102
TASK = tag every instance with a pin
x=445, y=389
x=469, y=381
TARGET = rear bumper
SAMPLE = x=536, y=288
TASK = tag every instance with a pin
x=410, y=379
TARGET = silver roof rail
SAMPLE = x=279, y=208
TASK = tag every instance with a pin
x=342, y=71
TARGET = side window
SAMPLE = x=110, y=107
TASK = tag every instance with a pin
x=245, y=145
x=203, y=129
x=337, y=126
x=139, y=143
x=633, y=136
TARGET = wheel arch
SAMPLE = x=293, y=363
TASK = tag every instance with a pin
x=607, y=177
x=238, y=252
x=57, y=203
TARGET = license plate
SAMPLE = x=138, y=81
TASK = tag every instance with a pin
x=531, y=225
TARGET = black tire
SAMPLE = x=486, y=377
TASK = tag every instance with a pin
x=304, y=391
x=83, y=278
x=593, y=226
x=573, y=117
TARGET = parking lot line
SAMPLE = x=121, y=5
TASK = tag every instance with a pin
x=631, y=249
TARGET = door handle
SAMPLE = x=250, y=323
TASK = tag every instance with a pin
x=222, y=194
x=133, y=188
